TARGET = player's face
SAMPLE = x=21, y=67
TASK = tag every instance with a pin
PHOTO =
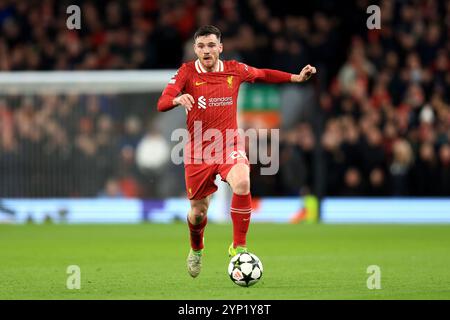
x=208, y=48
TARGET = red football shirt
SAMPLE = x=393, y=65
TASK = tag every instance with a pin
x=215, y=94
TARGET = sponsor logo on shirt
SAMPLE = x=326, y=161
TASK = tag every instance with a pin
x=202, y=102
x=220, y=102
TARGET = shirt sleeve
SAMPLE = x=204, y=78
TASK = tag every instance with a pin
x=252, y=74
x=174, y=87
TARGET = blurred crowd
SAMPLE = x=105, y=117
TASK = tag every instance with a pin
x=383, y=95
x=386, y=110
x=149, y=34
x=78, y=146
x=389, y=108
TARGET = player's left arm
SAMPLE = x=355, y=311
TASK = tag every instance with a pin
x=251, y=74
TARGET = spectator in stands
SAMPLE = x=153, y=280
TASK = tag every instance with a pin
x=112, y=189
x=353, y=183
x=400, y=168
x=378, y=186
x=152, y=157
x=425, y=172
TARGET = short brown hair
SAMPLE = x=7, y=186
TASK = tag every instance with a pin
x=207, y=30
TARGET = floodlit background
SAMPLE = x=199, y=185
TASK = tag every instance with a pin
x=374, y=122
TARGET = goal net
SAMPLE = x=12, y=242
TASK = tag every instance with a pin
x=85, y=134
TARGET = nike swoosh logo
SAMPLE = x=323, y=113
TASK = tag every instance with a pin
x=199, y=83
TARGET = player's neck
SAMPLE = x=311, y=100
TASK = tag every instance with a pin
x=213, y=68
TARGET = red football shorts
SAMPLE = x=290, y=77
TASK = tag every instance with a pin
x=200, y=177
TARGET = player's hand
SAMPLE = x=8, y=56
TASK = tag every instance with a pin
x=306, y=73
x=186, y=100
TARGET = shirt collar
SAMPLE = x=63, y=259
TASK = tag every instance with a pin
x=200, y=69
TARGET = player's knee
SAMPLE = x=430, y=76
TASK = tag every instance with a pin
x=199, y=212
x=242, y=186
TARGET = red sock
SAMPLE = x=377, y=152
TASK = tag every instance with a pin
x=241, y=208
x=196, y=234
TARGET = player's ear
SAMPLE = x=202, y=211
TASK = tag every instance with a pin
x=220, y=47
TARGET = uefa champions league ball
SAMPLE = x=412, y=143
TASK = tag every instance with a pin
x=245, y=269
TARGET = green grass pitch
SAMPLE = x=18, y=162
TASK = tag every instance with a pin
x=147, y=261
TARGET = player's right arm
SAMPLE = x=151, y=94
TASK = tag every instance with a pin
x=170, y=96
